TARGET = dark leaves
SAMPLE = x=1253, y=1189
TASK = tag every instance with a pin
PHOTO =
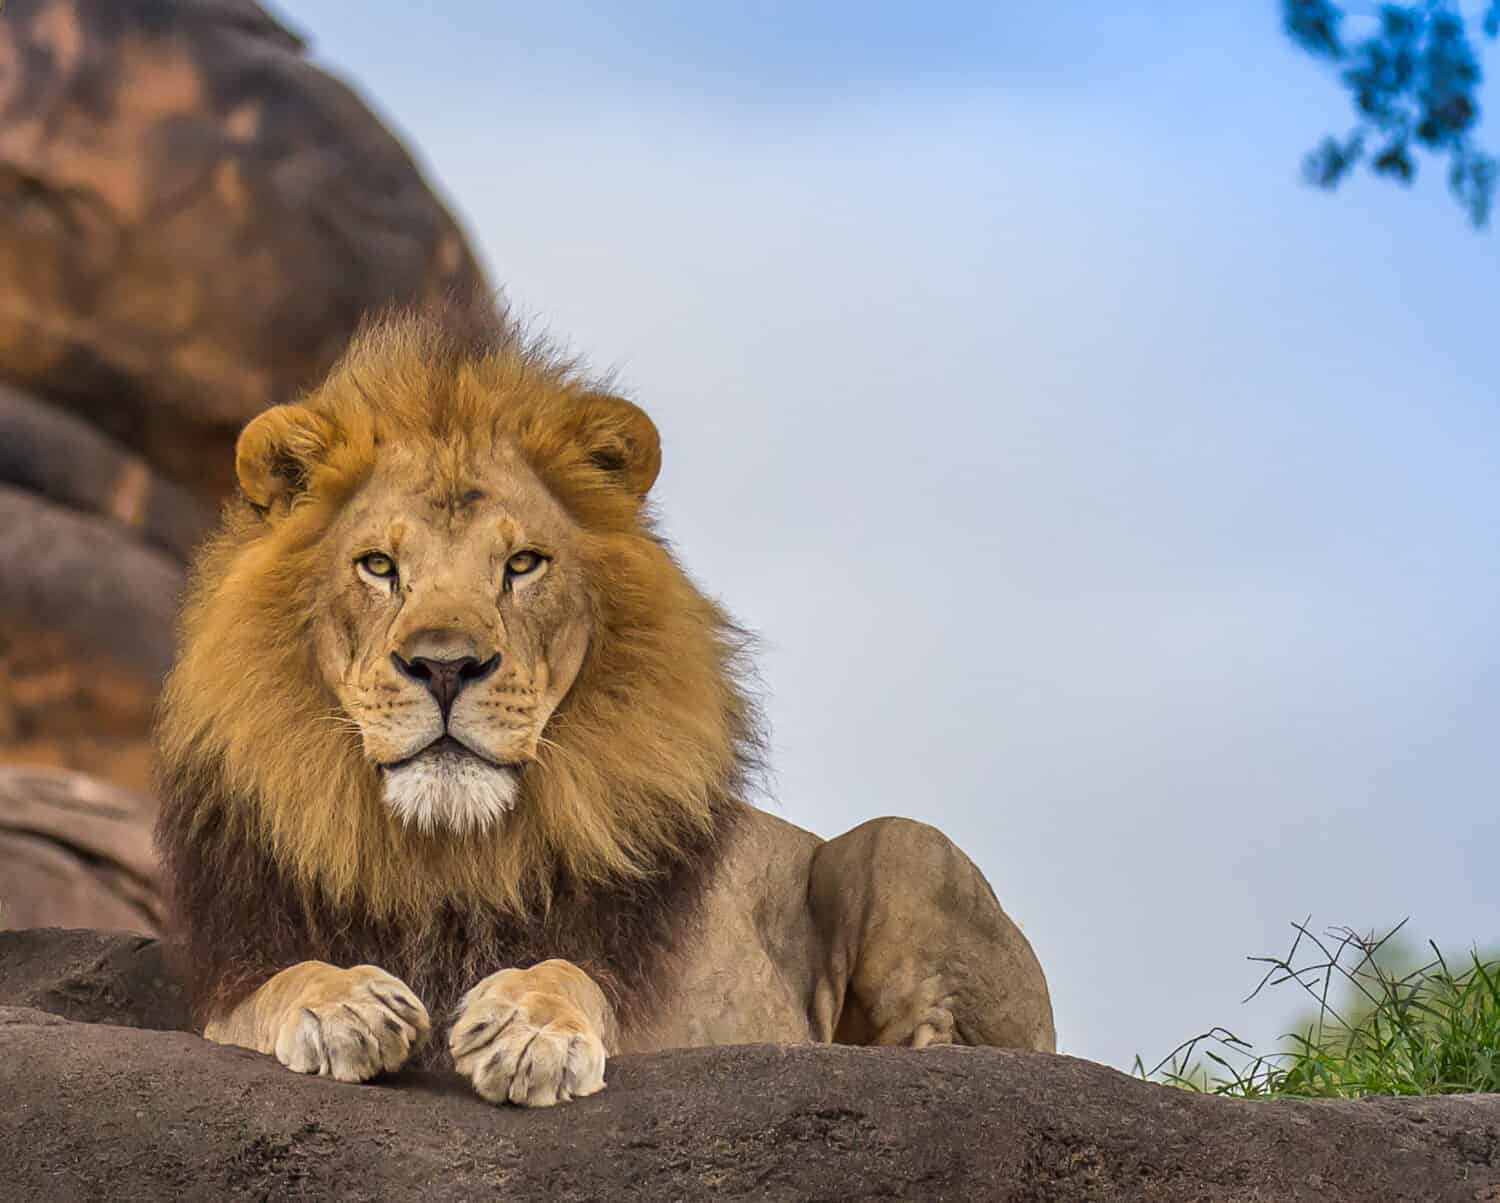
x=1314, y=25
x=1472, y=180
x=1414, y=81
x=1395, y=160
x=1332, y=160
x=1384, y=67
x=1450, y=76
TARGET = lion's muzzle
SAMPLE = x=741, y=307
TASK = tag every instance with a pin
x=445, y=679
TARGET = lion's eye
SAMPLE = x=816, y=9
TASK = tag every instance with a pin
x=377, y=564
x=523, y=563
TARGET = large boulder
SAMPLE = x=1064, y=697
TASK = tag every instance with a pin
x=92, y=559
x=74, y=852
x=65, y=706
x=61, y=459
x=97, y=1111
x=193, y=218
x=111, y=595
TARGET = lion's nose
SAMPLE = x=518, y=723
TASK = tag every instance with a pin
x=445, y=679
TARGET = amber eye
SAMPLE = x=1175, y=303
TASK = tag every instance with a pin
x=377, y=564
x=523, y=563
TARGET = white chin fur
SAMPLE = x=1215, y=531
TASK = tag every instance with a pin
x=451, y=791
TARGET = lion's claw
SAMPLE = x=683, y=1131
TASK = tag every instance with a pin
x=369, y=1027
x=533, y=1049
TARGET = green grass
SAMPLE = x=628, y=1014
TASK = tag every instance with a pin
x=1377, y=1030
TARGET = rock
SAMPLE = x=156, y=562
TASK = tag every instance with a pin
x=194, y=219
x=110, y=596
x=91, y=976
x=93, y=545
x=94, y=1111
x=75, y=852
x=64, y=706
x=62, y=459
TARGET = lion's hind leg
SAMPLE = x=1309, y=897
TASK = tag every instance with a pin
x=915, y=948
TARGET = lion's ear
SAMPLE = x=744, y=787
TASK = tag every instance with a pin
x=277, y=451
x=621, y=440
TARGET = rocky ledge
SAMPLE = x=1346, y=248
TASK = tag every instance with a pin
x=98, y=1100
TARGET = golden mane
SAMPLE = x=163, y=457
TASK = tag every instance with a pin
x=640, y=761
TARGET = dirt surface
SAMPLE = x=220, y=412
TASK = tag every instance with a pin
x=89, y=1111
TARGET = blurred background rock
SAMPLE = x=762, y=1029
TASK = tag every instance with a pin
x=193, y=219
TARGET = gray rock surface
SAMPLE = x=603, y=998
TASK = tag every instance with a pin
x=78, y=575
x=75, y=852
x=92, y=1111
x=95, y=977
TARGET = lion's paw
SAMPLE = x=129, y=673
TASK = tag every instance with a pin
x=530, y=1047
x=350, y=1028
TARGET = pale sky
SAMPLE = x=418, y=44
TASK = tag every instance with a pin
x=1100, y=494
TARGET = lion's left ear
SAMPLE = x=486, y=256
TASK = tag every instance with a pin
x=277, y=452
x=620, y=439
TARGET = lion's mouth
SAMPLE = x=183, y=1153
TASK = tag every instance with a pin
x=447, y=747
x=449, y=785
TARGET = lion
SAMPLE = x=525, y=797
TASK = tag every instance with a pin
x=452, y=735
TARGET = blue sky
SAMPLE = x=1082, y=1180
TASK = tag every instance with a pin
x=1099, y=493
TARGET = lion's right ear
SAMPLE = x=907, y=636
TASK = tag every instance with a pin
x=277, y=451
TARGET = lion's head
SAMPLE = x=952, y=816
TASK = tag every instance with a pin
x=437, y=647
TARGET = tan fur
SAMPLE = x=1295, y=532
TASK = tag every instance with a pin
x=348, y=1024
x=611, y=699
x=534, y=1036
x=628, y=759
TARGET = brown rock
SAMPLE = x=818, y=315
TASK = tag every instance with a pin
x=86, y=622
x=75, y=852
x=92, y=544
x=111, y=597
x=194, y=219
x=90, y=1111
x=62, y=459
x=65, y=708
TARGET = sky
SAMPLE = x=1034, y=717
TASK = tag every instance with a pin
x=1098, y=492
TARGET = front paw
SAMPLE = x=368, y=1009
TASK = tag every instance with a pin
x=532, y=1047
x=352, y=1024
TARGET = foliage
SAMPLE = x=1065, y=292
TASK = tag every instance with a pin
x=1414, y=81
x=1430, y=1030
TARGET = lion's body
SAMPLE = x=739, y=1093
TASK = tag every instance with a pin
x=446, y=705
x=803, y=939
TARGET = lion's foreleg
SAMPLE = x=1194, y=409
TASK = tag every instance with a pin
x=348, y=1024
x=915, y=948
x=534, y=1036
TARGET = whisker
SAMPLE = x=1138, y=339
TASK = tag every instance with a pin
x=339, y=720
x=564, y=752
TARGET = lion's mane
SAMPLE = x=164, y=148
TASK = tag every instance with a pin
x=275, y=840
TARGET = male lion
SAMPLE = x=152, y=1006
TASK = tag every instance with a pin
x=452, y=734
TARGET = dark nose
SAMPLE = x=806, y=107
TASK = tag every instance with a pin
x=445, y=679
